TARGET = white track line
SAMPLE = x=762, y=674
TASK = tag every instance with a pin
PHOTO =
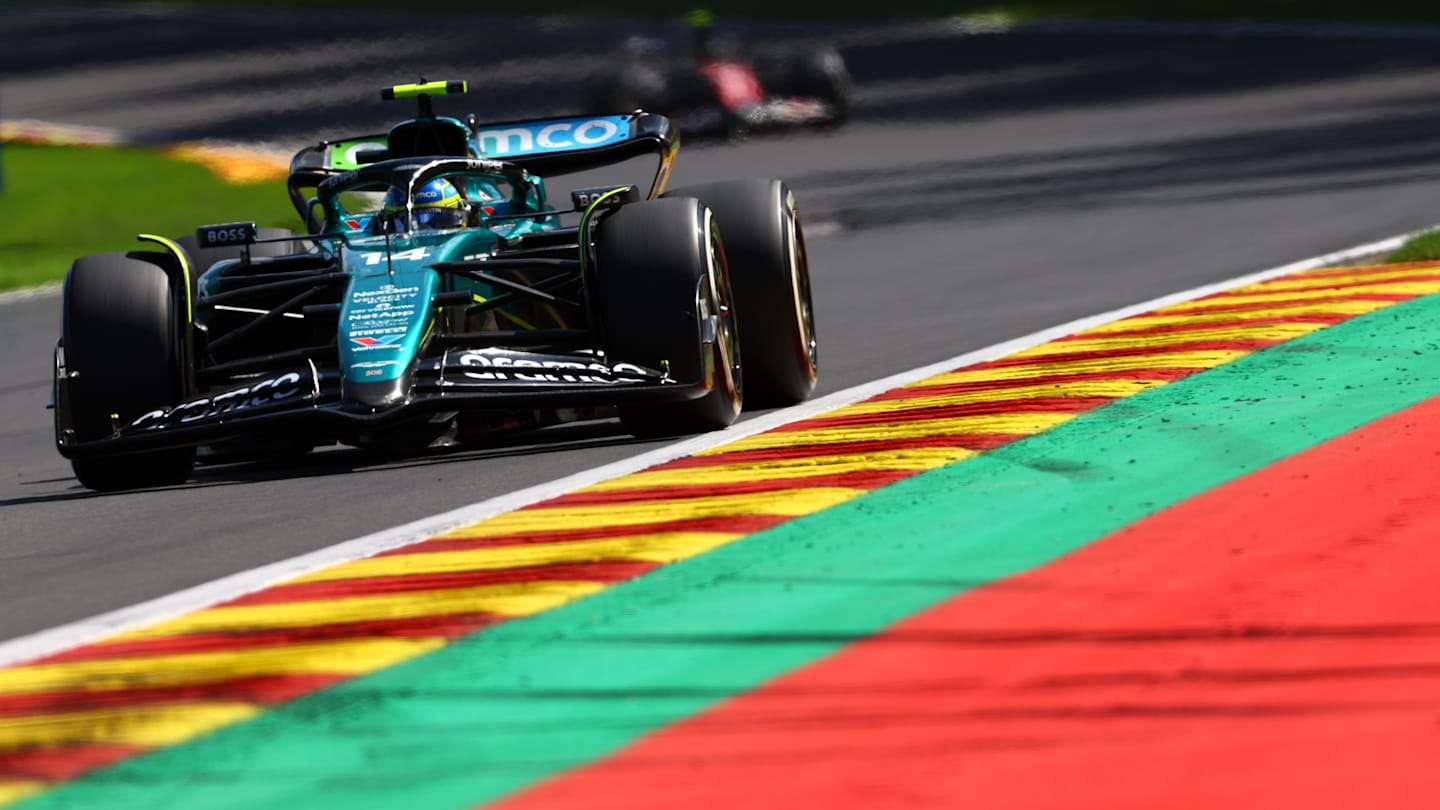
x=30, y=293
x=199, y=597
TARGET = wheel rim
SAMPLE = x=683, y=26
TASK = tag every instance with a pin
x=800, y=283
x=727, y=338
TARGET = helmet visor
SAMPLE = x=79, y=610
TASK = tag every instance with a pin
x=428, y=219
x=435, y=219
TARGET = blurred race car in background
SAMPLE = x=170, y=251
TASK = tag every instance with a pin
x=437, y=294
x=711, y=84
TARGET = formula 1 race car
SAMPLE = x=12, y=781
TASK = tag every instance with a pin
x=714, y=86
x=437, y=294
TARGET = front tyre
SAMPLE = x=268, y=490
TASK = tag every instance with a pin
x=765, y=245
x=120, y=330
x=665, y=296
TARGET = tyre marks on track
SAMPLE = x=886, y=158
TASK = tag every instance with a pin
x=84, y=708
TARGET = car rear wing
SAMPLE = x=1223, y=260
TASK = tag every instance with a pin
x=554, y=146
x=543, y=146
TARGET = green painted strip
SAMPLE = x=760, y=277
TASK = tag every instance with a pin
x=514, y=704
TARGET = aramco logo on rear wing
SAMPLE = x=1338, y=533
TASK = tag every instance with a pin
x=553, y=136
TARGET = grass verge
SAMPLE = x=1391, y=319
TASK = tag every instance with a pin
x=61, y=202
x=1422, y=248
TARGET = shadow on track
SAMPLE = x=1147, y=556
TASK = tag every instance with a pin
x=338, y=460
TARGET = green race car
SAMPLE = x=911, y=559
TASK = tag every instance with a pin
x=437, y=294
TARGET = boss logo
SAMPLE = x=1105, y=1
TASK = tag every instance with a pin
x=231, y=233
x=604, y=196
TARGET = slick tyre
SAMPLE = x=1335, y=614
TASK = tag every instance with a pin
x=765, y=246
x=120, y=334
x=664, y=292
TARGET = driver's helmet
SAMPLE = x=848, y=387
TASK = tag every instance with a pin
x=438, y=206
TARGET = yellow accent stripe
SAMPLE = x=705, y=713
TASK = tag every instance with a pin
x=14, y=791
x=351, y=657
x=909, y=459
x=1017, y=423
x=179, y=253
x=1274, y=332
x=1341, y=308
x=1090, y=388
x=511, y=599
x=659, y=548
x=787, y=503
x=148, y=726
x=1227, y=299
x=1193, y=360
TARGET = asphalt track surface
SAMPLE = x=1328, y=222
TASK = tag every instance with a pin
x=989, y=186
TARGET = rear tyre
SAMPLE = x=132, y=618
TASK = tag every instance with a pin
x=120, y=331
x=765, y=246
x=664, y=293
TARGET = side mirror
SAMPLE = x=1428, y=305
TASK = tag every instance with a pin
x=315, y=220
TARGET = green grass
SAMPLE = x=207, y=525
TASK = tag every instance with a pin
x=1377, y=11
x=1422, y=248
x=64, y=202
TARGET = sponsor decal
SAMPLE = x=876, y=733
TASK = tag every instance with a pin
x=610, y=196
x=231, y=233
x=378, y=318
x=554, y=136
x=256, y=395
x=375, y=342
x=385, y=294
x=501, y=368
x=412, y=255
x=339, y=181
x=372, y=331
